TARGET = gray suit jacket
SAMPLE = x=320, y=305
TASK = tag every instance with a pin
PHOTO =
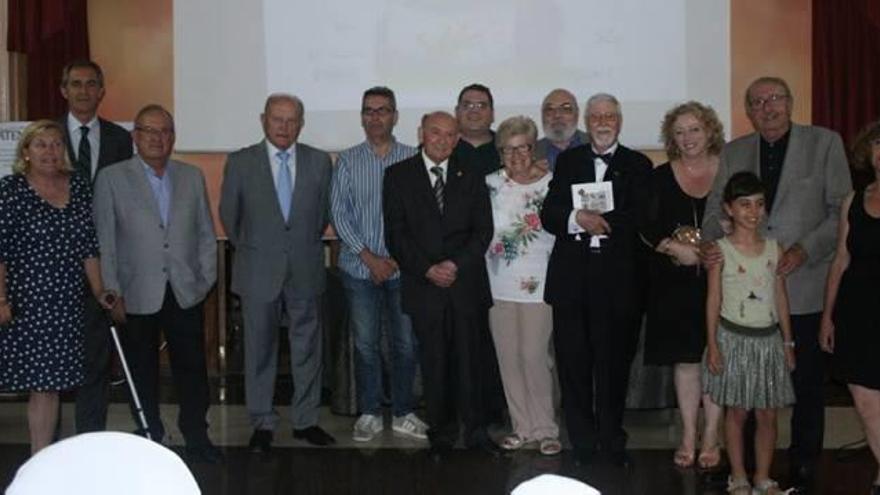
x=270, y=254
x=814, y=182
x=140, y=255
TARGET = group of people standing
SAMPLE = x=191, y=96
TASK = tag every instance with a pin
x=483, y=254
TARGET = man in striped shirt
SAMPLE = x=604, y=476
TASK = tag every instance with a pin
x=370, y=276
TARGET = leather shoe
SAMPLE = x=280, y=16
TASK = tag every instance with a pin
x=584, y=456
x=801, y=478
x=486, y=444
x=261, y=442
x=207, y=454
x=314, y=435
x=621, y=458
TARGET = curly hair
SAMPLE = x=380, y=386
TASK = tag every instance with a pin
x=861, y=149
x=707, y=117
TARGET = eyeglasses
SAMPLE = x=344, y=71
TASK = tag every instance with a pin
x=607, y=117
x=521, y=149
x=772, y=99
x=379, y=111
x=152, y=131
x=564, y=109
x=474, y=105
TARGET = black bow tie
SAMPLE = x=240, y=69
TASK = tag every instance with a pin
x=605, y=158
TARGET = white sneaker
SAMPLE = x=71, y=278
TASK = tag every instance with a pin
x=367, y=427
x=410, y=426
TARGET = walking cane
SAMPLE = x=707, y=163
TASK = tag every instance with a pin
x=131, y=388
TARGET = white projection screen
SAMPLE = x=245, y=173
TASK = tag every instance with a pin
x=230, y=54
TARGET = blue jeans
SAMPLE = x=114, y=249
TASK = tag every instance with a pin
x=366, y=302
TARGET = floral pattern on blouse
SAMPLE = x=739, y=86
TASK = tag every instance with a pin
x=513, y=241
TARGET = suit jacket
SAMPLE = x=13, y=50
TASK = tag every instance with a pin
x=115, y=144
x=814, y=182
x=418, y=235
x=269, y=253
x=140, y=255
x=566, y=271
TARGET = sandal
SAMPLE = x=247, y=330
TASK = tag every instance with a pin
x=769, y=487
x=710, y=458
x=550, y=446
x=683, y=458
x=739, y=486
x=513, y=442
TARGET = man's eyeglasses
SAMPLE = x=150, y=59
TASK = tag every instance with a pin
x=474, y=105
x=564, y=109
x=775, y=98
x=378, y=111
x=152, y=131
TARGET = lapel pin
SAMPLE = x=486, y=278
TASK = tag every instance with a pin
x=459, y=173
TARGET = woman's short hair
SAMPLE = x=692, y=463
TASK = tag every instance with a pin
x=516, y=126
x=861, y=149
x=742, y=184
x=707, y=117
x=21, y=166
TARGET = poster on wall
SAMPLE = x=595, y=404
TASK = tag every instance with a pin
x=9, y=134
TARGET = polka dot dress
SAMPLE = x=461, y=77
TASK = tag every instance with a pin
x=43, y=248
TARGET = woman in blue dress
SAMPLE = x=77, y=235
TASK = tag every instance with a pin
x=48, y=250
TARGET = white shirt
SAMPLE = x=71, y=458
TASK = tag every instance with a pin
x=73, y=130
x=429, y=164
x=275, y=163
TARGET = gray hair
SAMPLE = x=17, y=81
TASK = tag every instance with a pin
x=600, y=97
x=277, y=97
x=519, y=125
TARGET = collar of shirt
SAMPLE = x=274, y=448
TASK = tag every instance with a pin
x=94, y=136
x=161, y=188
x=429, y=164
x=609, y=151
x=600, y=166
x=73, y=125
x=274, y=163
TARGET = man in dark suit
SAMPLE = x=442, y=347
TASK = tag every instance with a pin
x=92, y=144
x=438, y=225
x=275, y=205
x=591, y=282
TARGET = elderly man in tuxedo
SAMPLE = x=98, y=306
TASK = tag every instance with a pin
x=92, y=144
x=275, y=205
x=591, y=280
x=159, y=253
x=438, y=225
x=805, y=174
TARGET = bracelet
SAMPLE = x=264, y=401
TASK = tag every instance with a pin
x=788, y=343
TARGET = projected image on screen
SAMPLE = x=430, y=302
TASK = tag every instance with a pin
x=649, y=54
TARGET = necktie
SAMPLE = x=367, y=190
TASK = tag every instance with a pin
x=282, y=184
x=84, y=157
x=438, y=186
x=605, y=158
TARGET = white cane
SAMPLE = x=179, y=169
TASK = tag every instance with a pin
x=134, y=394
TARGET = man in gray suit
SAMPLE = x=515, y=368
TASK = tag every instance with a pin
x=274, y=207
x=159, y=253
x=559, y=118
x=805, y=173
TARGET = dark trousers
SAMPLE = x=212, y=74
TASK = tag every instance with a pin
x=594, y=346
x=808, y=413
x=184, y=333
x=93, y=395
x=449, y=350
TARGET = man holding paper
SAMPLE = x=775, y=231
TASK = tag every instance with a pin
x=591, y=279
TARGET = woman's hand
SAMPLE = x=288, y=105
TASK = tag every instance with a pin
x=789, y=358
x=683, y=253
x=714, y=360
x=5, y=312
x=826, y=335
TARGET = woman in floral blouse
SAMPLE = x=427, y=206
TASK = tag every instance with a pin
x=520, y=321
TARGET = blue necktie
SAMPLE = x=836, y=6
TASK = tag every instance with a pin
x=282, y=183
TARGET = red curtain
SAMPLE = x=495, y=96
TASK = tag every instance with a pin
x=846, y=65
x=51, y=33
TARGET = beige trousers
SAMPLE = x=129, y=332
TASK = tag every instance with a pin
x=522, y=333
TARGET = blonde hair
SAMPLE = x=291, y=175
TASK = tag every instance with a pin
x=21, y=166
x=707, y=117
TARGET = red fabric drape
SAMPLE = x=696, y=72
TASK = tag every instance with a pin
x=846, y=65
x=51, y=33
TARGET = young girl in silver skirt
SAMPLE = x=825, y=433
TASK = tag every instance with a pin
x=750, y=351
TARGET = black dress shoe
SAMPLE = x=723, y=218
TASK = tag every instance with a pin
x=801, y=478
x=584, y=456
x=261, y=442
x=206, y=453
x=621, y=458
x=485, y=444
x=314, y=435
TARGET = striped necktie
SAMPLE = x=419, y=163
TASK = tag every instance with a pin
x=438, y=186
